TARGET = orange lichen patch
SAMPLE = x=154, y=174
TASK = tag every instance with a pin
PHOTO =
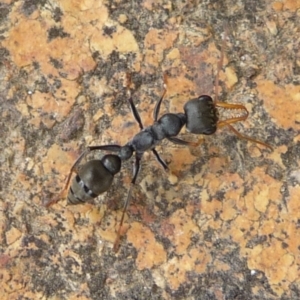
x=230, y=77
x=109, y=226
x=261, y=197
x=276, y=260
x=282, y=103
x=45, y=221
x=183, y=230
x=156, y=42
x=220, y=265
x=258, y=199
x=121, y=40
x=12, y=287
x=68, y=217
x=277, y=6
x=22, y=179
x=215, y=165
x=73, y=55
x=76, y=8
x=150, y=252
x=150, y=4
x=41, y=50
x=293, y=204
x=175, y=270
x=209, y=207
x=48, y=104
x=59, y=160
x=12, y=235
x=291, y=5
x=174, y=54
x=293, y=273
x=267, y=227
x=121, y=132
x=268, y=181
x=183, y=158
x=296, y=140
x=276, y=156
x=18, y=39
x=67, y=50
x=178, y=91
x=95, y=214
x=250, y=213
x=261, y=203
x=229, y=184
x=240, y=229
x=289, y=227
x=229, y=211
x=273, y=260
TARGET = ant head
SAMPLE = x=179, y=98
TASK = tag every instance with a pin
x=201, y=115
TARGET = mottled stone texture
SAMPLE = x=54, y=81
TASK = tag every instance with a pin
x=224, y=223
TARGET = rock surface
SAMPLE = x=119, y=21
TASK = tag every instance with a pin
x=224, y=224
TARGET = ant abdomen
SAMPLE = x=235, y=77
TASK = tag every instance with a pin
x=94, y=178
x=202, y=115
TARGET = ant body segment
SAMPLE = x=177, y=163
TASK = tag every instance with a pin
x=95, y=177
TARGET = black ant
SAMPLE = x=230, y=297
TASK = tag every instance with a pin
x=96, y=176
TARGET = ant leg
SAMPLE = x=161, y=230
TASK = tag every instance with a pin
x=112, y=148
x=178, y=141
x=74, y=168
x=136, y=170
x=158, y=103
x=134, y=111
x=160, y=160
